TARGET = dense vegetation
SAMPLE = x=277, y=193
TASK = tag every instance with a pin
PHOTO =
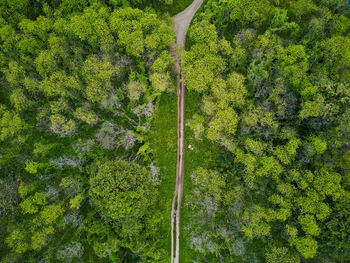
x=88, y=139
x=79, y=83
x=274, y=80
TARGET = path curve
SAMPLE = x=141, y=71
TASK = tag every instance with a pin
x=181, y=22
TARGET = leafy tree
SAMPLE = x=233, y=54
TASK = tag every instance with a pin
x=256, y=223
x=306, y=246
x=135, y=89
x=17, y=240
x=337, y=53
x=223, y=123
x=20, y=100
x=11, y=124
x=137, y=30
x=86, y=115
x=31, y=204
x=249, y=13
x=161, y=82
x=91, y=26
x=210, y=182
x=327, y=183
x=129, y=196
x=61, y=126
x=98, y=74
x=281, y=69
x=65, y=69
x=309, y=225
x=334, y=237
x=281, y=254
x=196, y=125
x=9, y=197
x=311, y=108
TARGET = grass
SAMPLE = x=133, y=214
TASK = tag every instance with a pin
x=204, y=155
x=163, y=142
x=178, y=6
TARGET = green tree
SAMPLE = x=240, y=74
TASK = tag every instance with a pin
x=86, y=115
x=306, y=246
x=309, y=225
x=337, y=53
x=161, y=82
x=98, y=73
x=11, y=125
x=91, y=26
x=223, y=123
x=20, y=100
x=135, y=89
x=334, y=239
x=281, y=255
x=249, y=13
x=210, y=182
x=61, y=126
x=122, y=192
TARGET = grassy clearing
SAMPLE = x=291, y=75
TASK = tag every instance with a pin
x=178, y=6
x=163, y=142
x=204, y=155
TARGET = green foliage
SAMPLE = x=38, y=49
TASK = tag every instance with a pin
x=101, y=237
x=311, y=108
x=11, y=124
x=306, y=246
x=335, y=235
x=17, y=241
x=223, y=123
x=31, y=204
x=327, y=183
x=203, y=63
x=196, y=125
x=50, y=213
x=309, y=225
x=210, y=182
x=268, y=119
x=337, y=53
x=281, y=255
x=135, y=89
x=275, y=108
x=76, y=201
x=161, y=82
x=163, y=62
x=86, y=115
x=20, y=101
x=137, y=31
x=32, y=167
x=122, y=192
x=79, y=82
x=61, y=126
x=256, y=222
x=249, y=13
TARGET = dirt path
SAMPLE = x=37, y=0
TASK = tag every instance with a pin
x=181, y=22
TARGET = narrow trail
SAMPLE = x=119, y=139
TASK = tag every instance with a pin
x=181, y=22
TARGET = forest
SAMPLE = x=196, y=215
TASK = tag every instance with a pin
x=88, y=131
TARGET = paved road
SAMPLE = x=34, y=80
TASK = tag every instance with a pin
x=181, y=22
